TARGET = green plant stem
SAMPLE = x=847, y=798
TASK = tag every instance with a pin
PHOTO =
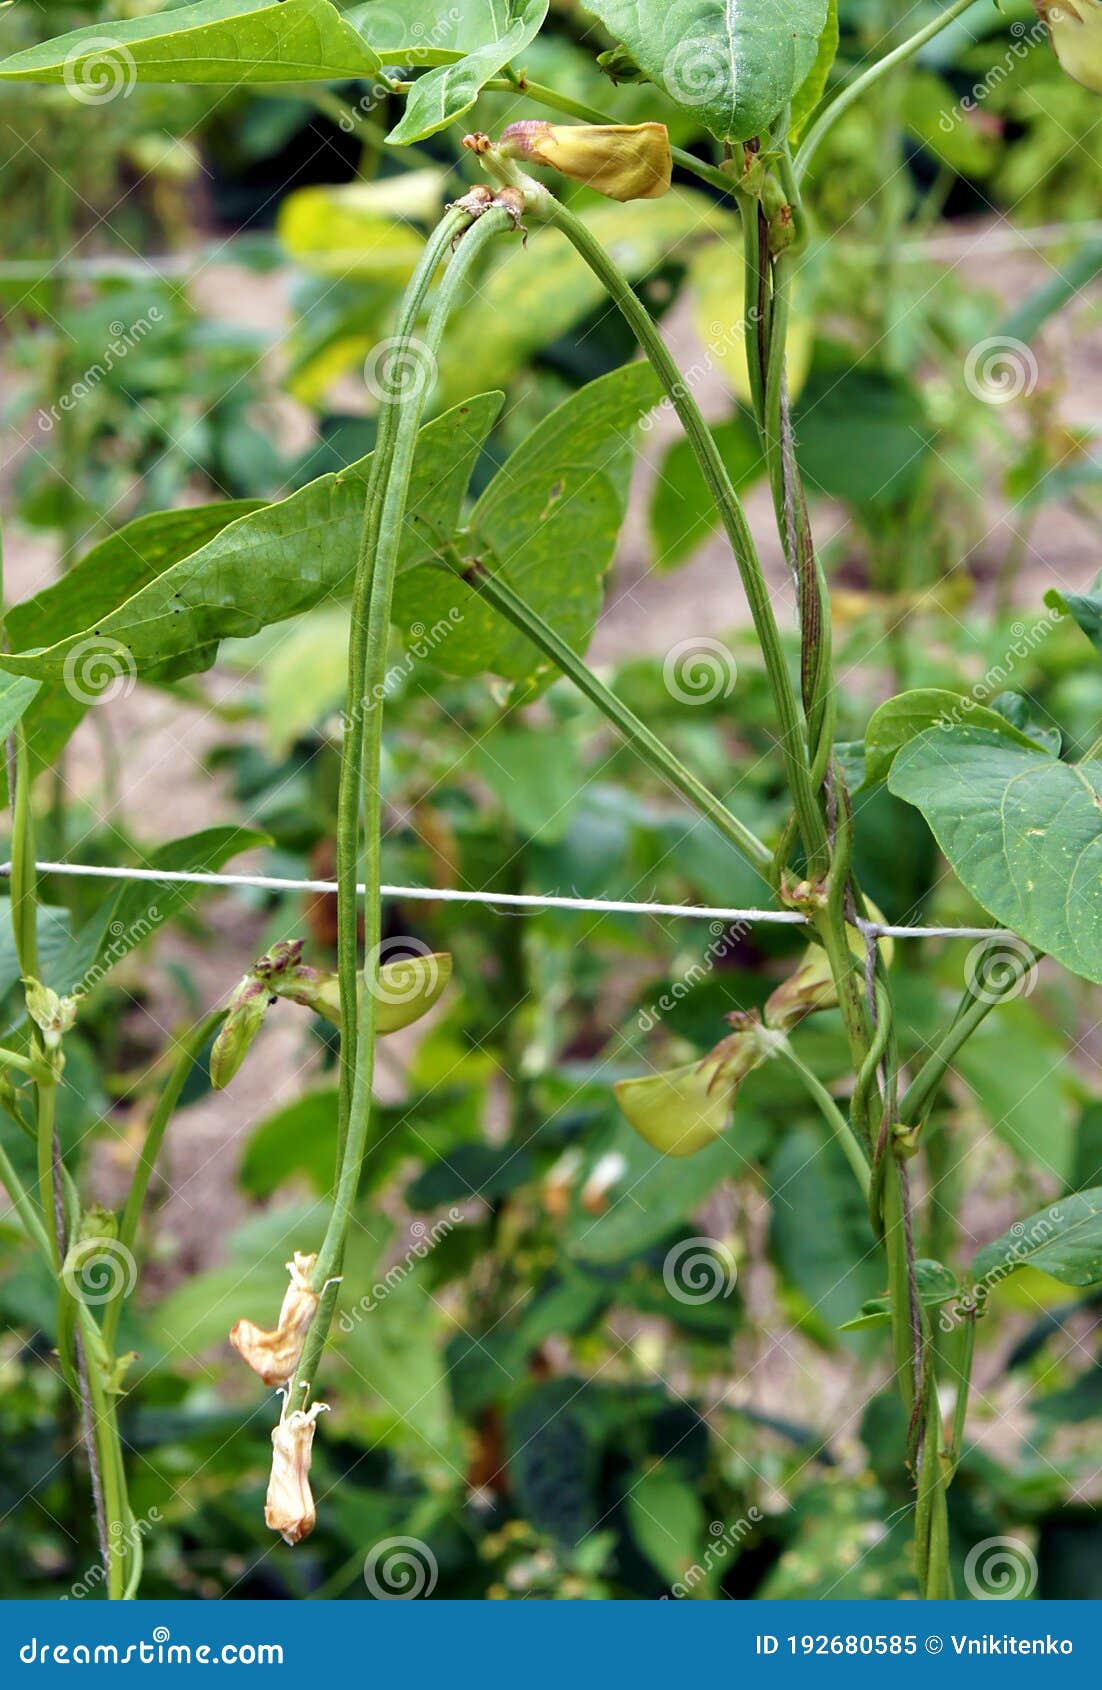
x=926, y=1081
x=377, y=581
x=190, y=1048
x=837, y=1122
x=855, y=90
x=718, y=482
x=964, y=1388
x=348, y=801
x=24, y=895
x=648, y=746
x=45, y=1127
x=23, y=1205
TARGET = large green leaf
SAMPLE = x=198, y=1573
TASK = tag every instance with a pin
x=811, y=90
x=732, y=63
x=547, y=524
x=215, y=41
x=445, y=93
x=530, y=298
x=862, y=433
x=119, y=566
x=1064, y=1240
x=1022, y=830
x=280, y=561
x=900, y=719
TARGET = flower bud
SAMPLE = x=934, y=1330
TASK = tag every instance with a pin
x=684, y=1109
x=811, y=987
x=52, y=1015
x=625, y=161
x=275, y=1355
x=247, y=1010
x=1075, y=30
x=289, y=1505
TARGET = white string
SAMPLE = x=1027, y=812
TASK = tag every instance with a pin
x=516, y=900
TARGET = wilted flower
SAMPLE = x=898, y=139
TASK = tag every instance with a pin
x=275, y=1355
x=289, y=1505
x=682, y=1110
x=1075, y=30
x=626, y=161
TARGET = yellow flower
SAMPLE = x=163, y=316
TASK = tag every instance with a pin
x=275, y=1355
x=1075, y=30
x=625, y=161
x=289, y=1505
x=682, y=1110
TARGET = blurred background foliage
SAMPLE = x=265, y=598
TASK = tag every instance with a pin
x=526, y=1393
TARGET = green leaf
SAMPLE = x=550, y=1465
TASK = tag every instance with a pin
x=118, y=567
x=935, y=1284
x=732, y=63
x=16, y=693
x=1013, y=1065
x=667, y=1522
x=861, y=434
x=298, y=1140
x=1064, y=1240
x=1022, y=831
x=532, y=297
x=899, y=720
x=963, y=145
x=278, y=562
x=361, y=229
x=140, y=908
x=547, y=524
x=536, y=777
x=832, y=1264
x=1084, y=608
x=811, y=90
x=445, y=93
x=682, y=512
x=215, y=41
